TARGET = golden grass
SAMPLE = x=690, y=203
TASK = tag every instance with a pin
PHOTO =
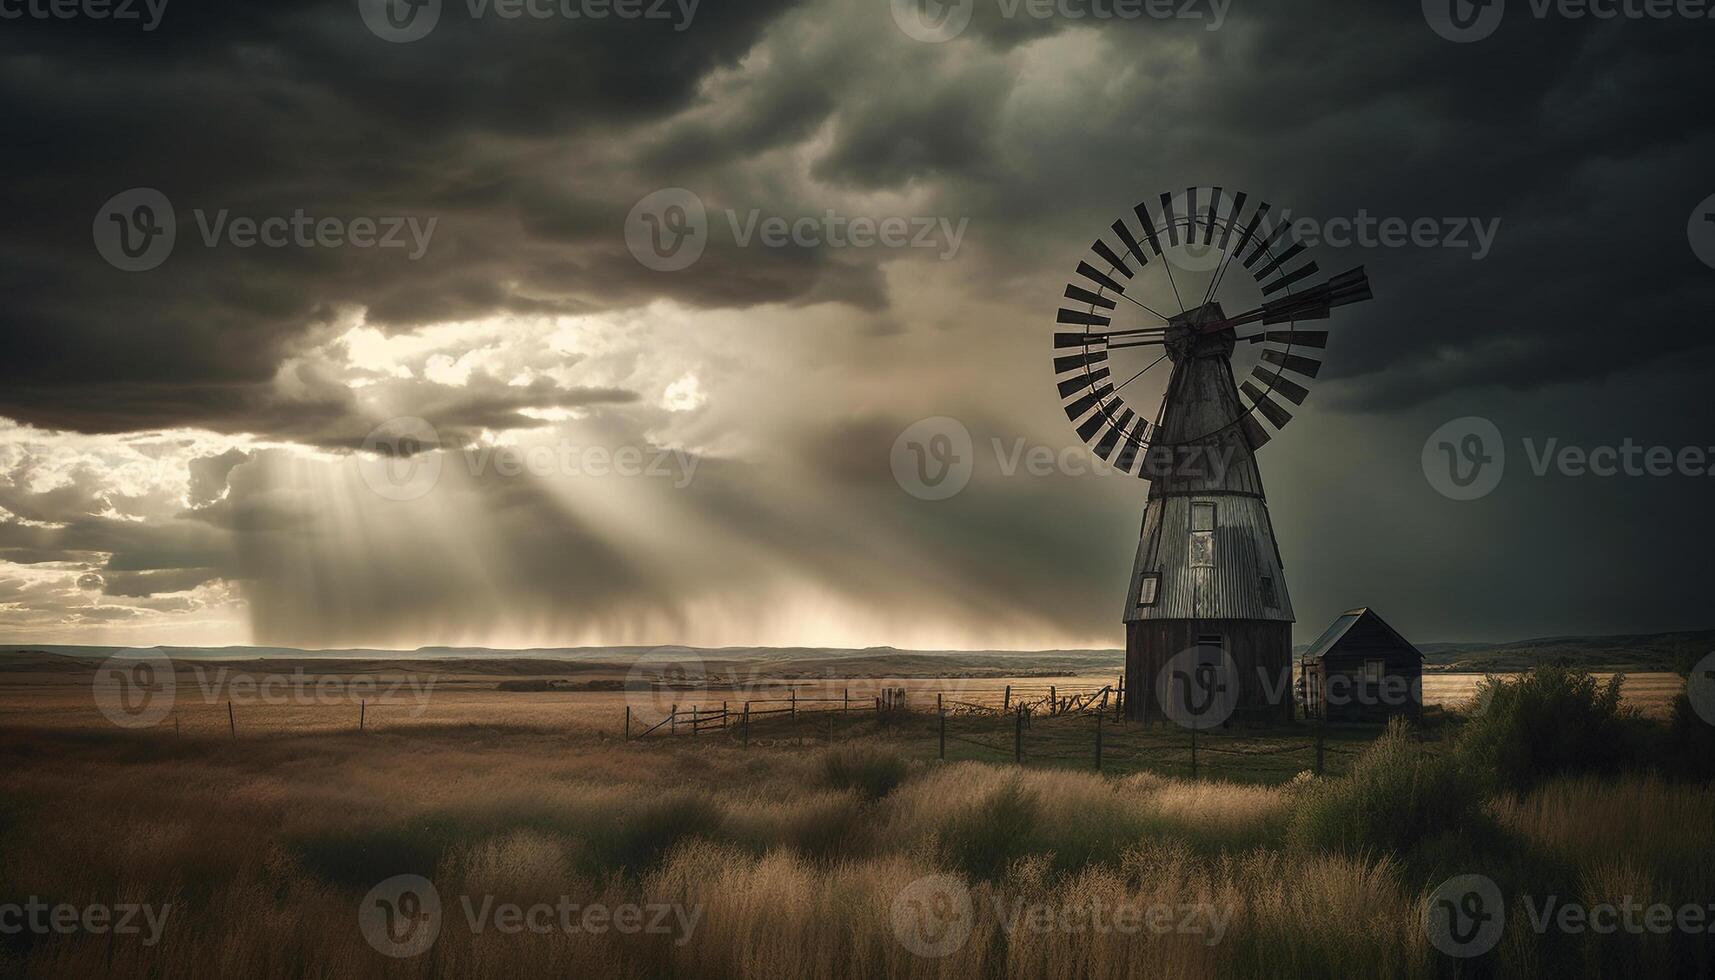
x=264, y=848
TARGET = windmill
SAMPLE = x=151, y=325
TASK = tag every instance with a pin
x=1208, y=580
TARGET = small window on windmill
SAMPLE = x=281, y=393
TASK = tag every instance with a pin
x=1202, y=515
x=1147, y=588
x=1268, y=597
x=1202, y=534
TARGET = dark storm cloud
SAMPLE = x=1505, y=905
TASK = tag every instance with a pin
x=263, y=109
x=529, y=141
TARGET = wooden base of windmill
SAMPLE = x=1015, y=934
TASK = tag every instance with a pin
x=1261, y=651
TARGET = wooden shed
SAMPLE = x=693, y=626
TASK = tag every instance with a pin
x=1361, y=670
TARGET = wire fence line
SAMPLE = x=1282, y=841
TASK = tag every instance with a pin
x=1083, y=727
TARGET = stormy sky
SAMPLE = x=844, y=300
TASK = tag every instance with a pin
x=373, y=225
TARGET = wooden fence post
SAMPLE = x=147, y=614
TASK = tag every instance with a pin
x=846, y=702
x=176, y=732
x=794, y=701
x=693, y=721
x=723, y=716
x=231, y=720
x=1098, y=741
x=362, y=709
x=1053, y=701
x=746, y=729
x=1006, y=699
x=673, y=720
x=628, y=723
x=1018, y=738
x=1119, y=699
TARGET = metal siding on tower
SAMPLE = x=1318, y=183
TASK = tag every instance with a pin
x=1201, y=403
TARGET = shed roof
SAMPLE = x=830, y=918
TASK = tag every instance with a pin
x=1348, y=619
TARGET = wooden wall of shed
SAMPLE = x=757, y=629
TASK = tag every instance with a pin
x=1261, y=650
x=1363, y=701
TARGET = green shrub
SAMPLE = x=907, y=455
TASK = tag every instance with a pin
x=1398, y=794
x=1551, y=721
x=1689, y=749
x=872, y=771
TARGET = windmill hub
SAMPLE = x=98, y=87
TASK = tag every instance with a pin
x=1185, y=337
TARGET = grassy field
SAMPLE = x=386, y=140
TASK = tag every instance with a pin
x=276, y=853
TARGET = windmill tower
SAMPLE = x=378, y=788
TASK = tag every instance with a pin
x=1208, y=582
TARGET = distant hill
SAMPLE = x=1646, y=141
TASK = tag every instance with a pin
x=1643, y=652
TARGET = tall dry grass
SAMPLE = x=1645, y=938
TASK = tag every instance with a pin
x=793, y=858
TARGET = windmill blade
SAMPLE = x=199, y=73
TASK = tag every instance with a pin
x=1076, y=408
x=1304, y=271
x=1298, y=338
x=1250, y=227
x=1099, y=278
x=1278, y=261
x=1254, y=431
x=1265, y=246
x=1280, y=383
x=1101, y=248
x=1168, y=219
x=1143, y=218
x=1072, y=362
x=1072, y=386
x=1063, y=340
x=1094, y=424
x=1233, y=220
x=1307, y=366
x=1214, y=206
x=1082, y=295
x=1110, y=438
x=1277, y=416
x=1130, y=242
x=1135, y=442
x=1080, y=317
